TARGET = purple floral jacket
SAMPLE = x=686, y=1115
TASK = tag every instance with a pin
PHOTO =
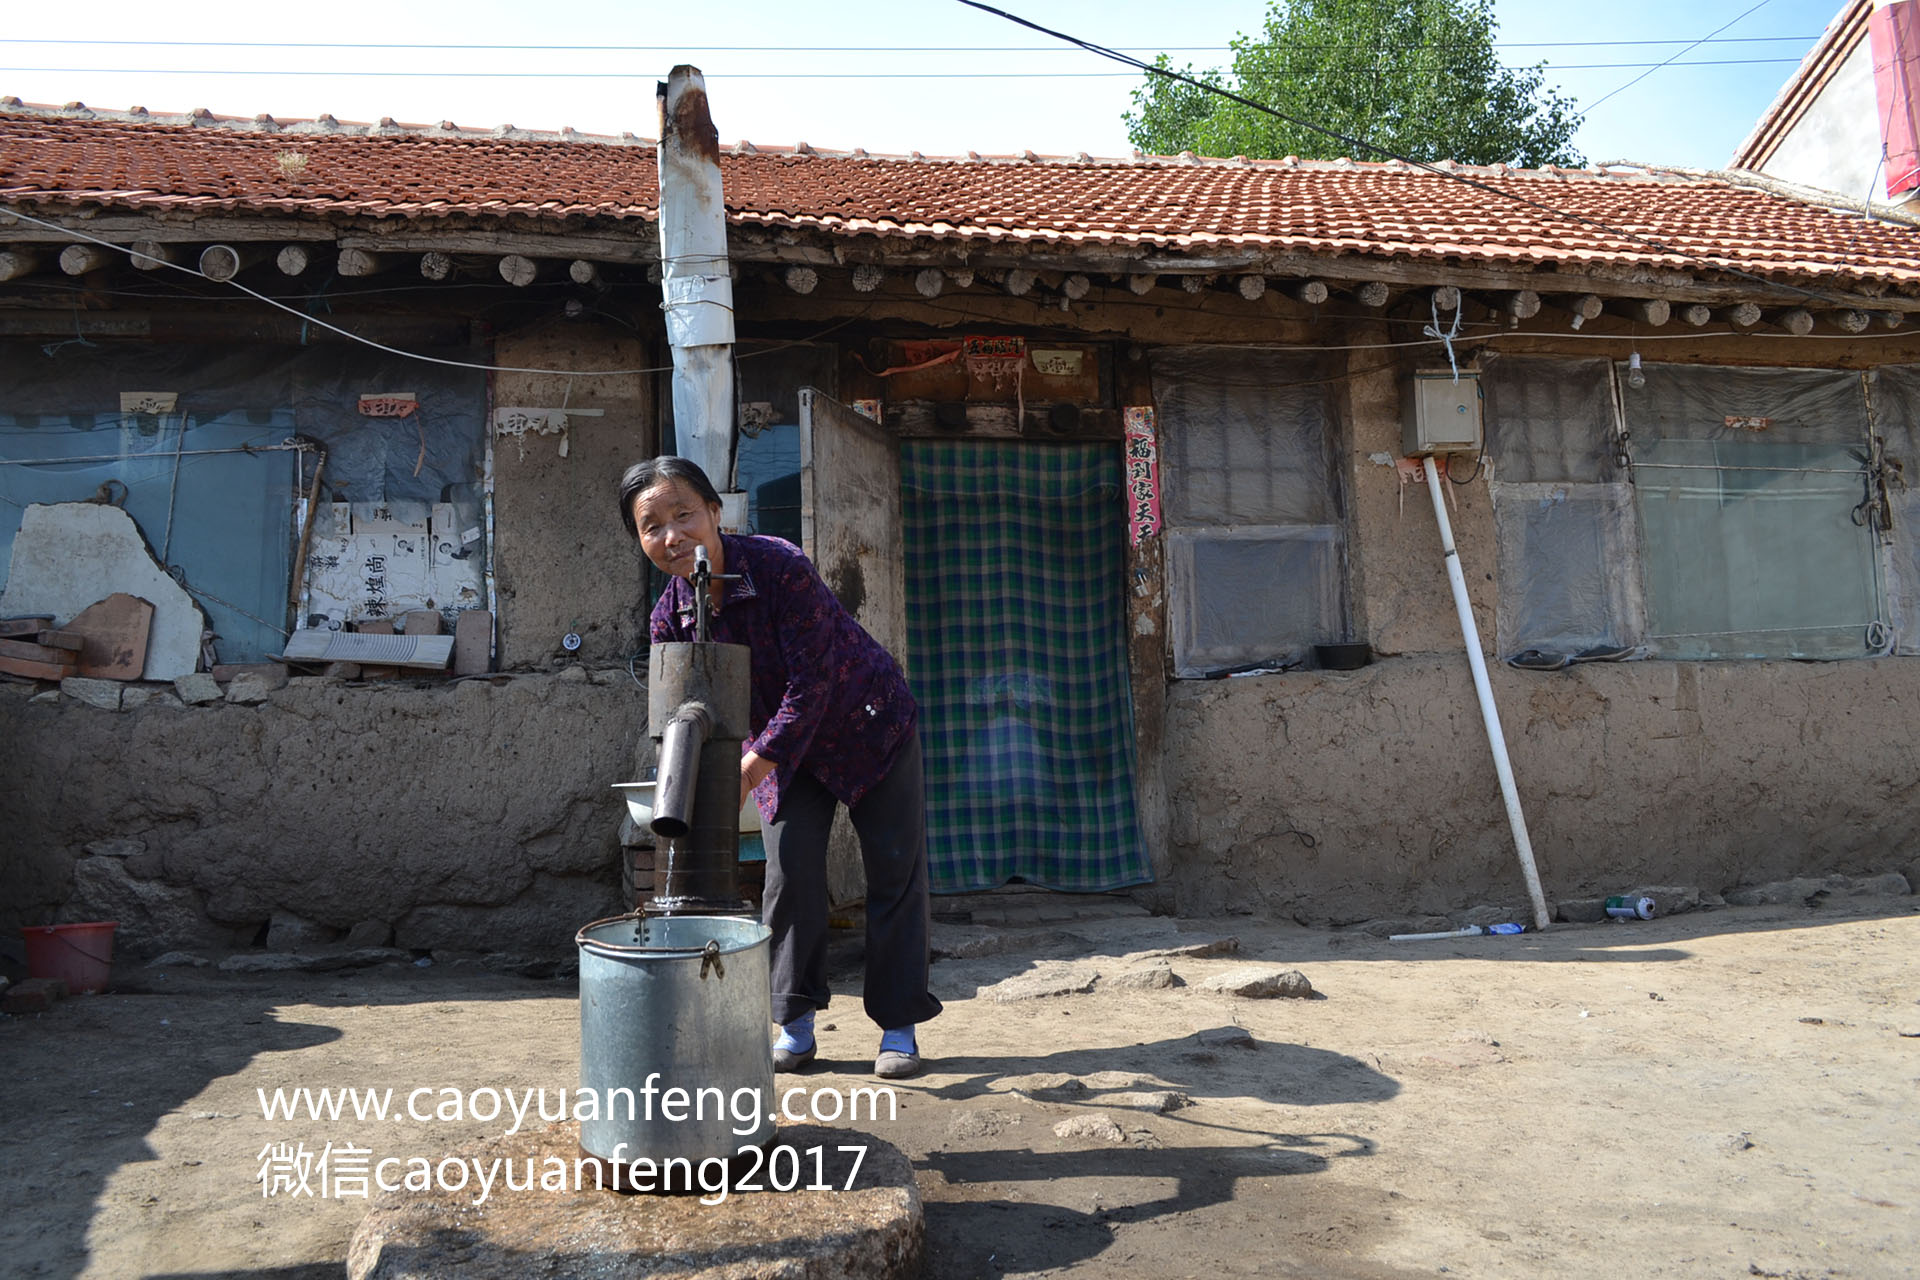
x=827, y=699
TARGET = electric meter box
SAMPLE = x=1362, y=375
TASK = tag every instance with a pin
x=1440, y=414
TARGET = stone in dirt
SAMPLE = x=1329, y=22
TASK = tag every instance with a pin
x=198, y=688
x=104, y=694
x=1044, y=1086
x=1097, y=1127
x=1148, y=977
x=1261, y=983
x=314, y=962
x=178, y=960
x=261, y=962
x=1157, y=1101
x=1225, y=1038
x=289, y=932
x=1386, y=928
x=970, y=942
x=873, y=1231
x=369, y=933
x=1190, y=950
x=979, y=1124
x=1810, y=892
x=35, y=995
x=1045, y=980
x=250, y=688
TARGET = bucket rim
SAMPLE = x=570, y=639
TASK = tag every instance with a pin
x=617, y=949
x=28, y=930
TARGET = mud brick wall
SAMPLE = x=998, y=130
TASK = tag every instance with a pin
x=468, y=815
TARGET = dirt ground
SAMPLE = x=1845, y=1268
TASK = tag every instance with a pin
x=1720, y=1094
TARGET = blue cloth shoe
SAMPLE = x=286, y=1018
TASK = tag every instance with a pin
x=899, y=1055
x=795, y=1048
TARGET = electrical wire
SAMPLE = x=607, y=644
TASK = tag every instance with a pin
x=363, y=73
x=1426, y=167
x=840, y=48
x=1695, y=45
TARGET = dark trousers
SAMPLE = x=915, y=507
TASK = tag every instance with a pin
x=891, y=821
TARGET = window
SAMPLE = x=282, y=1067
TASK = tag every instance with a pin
x=1256, y=544
x=1737, y=518
x=1749, y=488
x=1563, y=510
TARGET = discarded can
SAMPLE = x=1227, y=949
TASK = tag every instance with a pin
x=1623, y=908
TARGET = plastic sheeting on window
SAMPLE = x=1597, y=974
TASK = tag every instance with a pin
x=1550, y=421
x=1567, y=579
x=1748, y=486
x=1895, y=392
x=1245, y=437
x=1253, y=597
x=1256, y=563
x=207, y=482
x=1713, y=402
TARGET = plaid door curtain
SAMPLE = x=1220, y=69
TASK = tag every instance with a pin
x=1016, y=627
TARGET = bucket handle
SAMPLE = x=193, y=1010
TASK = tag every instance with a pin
x=710, y=959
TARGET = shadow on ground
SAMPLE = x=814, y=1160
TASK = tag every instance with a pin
x=88, y=1081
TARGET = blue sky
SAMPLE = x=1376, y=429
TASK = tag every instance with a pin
x=927, y=75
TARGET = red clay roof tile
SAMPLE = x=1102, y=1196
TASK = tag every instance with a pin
x=77, y=158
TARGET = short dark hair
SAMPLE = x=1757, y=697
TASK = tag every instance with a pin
x=642, y=476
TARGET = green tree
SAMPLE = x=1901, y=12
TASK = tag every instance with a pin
x=1415, y=77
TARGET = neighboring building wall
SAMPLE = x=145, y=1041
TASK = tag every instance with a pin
x=1835, y=144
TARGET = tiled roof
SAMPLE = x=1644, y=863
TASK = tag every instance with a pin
x=63, y=159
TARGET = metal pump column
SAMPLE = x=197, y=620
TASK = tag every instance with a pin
x=697, y=708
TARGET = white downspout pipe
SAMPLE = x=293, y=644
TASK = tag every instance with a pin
x=1470, y=631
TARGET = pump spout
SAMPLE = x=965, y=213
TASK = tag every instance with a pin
x=680, y=747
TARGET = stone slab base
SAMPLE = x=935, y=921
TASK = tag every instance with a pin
x=559, y=1225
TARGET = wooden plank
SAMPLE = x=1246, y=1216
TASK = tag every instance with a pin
x=16, y=627
x=115, y=631
x=27, y=651
x=33, y=670
x=60, y=640
x=850, y=521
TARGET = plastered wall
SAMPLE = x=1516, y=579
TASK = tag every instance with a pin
x=563, y=561
x=1345, y=797
x=474, y=815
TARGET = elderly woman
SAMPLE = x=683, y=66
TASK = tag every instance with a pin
x=833, y=723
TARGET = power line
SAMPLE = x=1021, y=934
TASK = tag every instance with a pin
x=825, y=48
x=773, y=75
x=1695, y=45
x=1373, y=148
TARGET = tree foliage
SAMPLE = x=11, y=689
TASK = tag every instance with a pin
x=1418, y=78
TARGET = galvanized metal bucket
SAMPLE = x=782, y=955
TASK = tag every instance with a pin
x=674, y=1012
